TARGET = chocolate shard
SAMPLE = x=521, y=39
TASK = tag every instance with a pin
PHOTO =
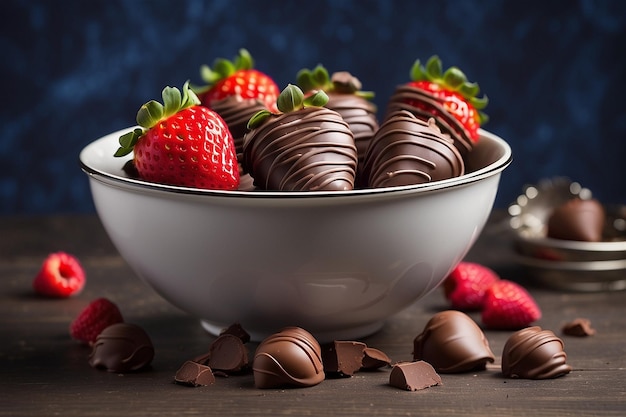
x=407, y=150
x=237, y=330
x=343, y=357
x=413, y=376
x=122, y=347
x=375, y=359
x=453, y=343
x=579, y=327
x=533, y=353
x=291, y=357
x=194, y=374
x=577, y=219
x=228, y=353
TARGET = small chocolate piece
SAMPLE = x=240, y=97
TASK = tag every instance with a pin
x=580, y=327
x=407, y=150
x=452, y=343
x=236, y=330
x=194, y=375
x=533, y=353
x=375, y=359
x=291, y=357
x=577, y=219
x=227, y=353
x=413, y=376
x=343, y=357
x=122, y=347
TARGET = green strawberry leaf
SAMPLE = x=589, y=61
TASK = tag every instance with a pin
x=290, y=99
x=319, y=99
x=258, y=119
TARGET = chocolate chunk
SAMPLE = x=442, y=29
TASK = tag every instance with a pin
x=289, y=358
x=343, y=357
x=374, y=359
x=413, y=376
x=227, y=353
x=533, y=353
x=578, y=327
x=122, y=347
x=577, y=219
x=236, y=330
x=407, y=150
x=310, y=149
x=452, y=343
x=194, y=374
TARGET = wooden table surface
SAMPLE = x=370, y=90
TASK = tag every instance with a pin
x=45, y=373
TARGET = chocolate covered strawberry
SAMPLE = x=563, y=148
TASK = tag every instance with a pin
x=304, y=147
x=182, y=143
x=448, y=97
x=346, y=97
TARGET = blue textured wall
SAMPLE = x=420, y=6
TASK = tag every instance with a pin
x=72, y=71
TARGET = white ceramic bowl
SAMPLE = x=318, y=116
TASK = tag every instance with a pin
x=336, y=263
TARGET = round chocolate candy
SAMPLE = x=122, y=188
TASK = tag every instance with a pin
x=291, y=357
x=122, y=347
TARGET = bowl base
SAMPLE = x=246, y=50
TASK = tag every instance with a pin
x=351, y=333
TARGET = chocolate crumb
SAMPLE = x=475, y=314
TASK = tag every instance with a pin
x=580, y=327
x=414, y=376
x=194, y=374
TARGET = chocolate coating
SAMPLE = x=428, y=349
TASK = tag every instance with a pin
x=311, y=149
x=413, y=376
x=577, y=219
x=122, y=347
x=291, y=357
x=425, y=105
x=406, y=150
x=453, y=343
x=236, y=112
x=374, y=359
x=533, y=353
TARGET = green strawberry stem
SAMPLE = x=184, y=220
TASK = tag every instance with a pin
x=341, y=82
x=452, y=79
x=152, y=112
x=290, y=99
x=223, y=68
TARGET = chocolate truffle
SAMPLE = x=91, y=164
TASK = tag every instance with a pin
x=533, y=353
x=309, y=149
x=291, y=358
x=194, y=374
x=343, y=357
x=406, y=150
x=227, y=353
x=577, y=219
x=453, y=343
x=122, y=347
x=424, y=105
x=413, y=376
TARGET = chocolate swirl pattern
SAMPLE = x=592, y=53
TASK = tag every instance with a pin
x=311, y=149
x=425, y=105
x=407, y=150
x=453, y=343
x=533, y=353
x=291, y=357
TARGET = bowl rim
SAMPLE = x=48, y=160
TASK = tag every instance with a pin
x=573, y=245
x=108, y=177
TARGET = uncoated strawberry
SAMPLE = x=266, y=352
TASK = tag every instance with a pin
x=507, y=305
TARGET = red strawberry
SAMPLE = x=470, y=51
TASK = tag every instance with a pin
x=507, y=305
x=456, y=93
x=466, y=285
x=182, y=143
x=97, y=316
x=61, y=275
x=237, y=78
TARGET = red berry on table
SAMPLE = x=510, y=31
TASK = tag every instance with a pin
x=182, y=143
x=466, y=285
x=237, y=78
x=61, y=275
x=507, y=305
x=97, y=316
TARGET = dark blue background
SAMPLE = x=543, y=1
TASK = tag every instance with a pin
x=72, y=71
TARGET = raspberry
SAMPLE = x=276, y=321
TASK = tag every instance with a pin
x=61, y=275
x=466, y=285
x=97, y=316
x=507, y=305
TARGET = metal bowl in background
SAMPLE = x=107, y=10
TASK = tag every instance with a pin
x=567, y=264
